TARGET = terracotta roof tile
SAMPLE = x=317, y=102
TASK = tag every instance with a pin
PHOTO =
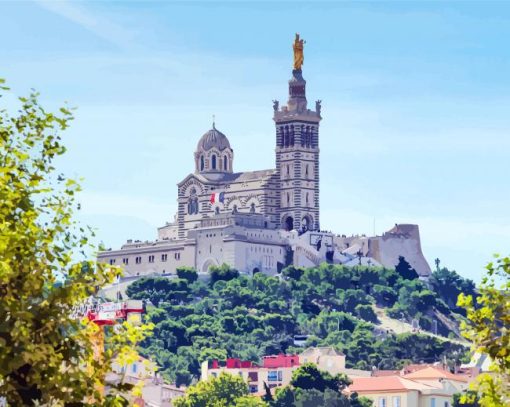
x=386, y=383
x=435, y=373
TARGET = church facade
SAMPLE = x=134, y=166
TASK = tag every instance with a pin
x=287, y=196
x=256, y=221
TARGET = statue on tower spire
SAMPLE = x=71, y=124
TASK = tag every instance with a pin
x=299, y=57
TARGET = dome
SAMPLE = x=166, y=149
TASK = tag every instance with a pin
x=213, y=138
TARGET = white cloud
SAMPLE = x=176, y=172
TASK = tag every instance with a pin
x=100, y=26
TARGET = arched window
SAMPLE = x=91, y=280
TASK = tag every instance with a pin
x=225, y=166
x=302, y=135
x=213, y=162
x=202, y=163
x=306, y=170
x=193, y=202
x=252, y=207
x=291, y=142
x=193, y=206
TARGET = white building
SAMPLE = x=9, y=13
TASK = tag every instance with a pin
x=260, y=220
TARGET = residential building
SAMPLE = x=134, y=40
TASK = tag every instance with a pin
x=155, y=392
x=276, y=370
x=398, y=391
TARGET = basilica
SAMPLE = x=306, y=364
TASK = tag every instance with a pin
x=263, y=220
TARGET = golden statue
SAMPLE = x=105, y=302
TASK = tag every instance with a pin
x=299, y=57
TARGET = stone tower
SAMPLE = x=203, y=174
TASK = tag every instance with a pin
x=297, y=158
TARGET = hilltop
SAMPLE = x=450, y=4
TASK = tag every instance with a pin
x=364, y=312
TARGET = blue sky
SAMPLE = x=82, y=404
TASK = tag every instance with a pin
x=415, y=104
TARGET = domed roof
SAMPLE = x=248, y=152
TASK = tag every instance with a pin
x=213, y=138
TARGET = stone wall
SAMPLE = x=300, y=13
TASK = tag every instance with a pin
x=401, y=240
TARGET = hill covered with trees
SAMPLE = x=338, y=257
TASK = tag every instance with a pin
x=248, y=317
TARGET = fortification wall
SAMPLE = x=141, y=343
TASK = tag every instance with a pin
x=401, y=240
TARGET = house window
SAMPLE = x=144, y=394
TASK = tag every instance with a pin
x=112, y=262
x=151, y=259
x=125, y=260
x=382, y=401
x=202, y=163
x=254, y=388
x=134, y=367
x=164, y=257
x=396, y=401
x=138, y=260
x=177, y=256
x=274, y=376
x=432, y=402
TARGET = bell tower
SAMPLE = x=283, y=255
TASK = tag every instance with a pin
x=297, y=153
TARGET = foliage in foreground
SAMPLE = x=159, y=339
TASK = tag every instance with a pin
x=488, y=328
x=309, y=387
x=249, y=317
x=46, y=355
x=223, y=391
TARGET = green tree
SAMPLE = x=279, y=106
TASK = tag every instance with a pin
x=366, y=313
x=47, y=355
x=488, y=328
x=384, y=295
x=222, y=391
x=458, y=402
x=449, y=284
x=222, y=273
x=308, y=376
x=187, y=273
x=284, y=397
x=404, y=269
x=357, y=401
x=250, y=401
x=293, y=272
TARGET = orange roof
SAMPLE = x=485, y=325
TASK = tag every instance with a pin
x=435, y=373
x=378, y=373
x=413, y=367
x=385, y=383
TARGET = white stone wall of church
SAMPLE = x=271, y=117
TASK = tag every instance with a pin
x=139, y=260
x=209, y=248
x=252, y=257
